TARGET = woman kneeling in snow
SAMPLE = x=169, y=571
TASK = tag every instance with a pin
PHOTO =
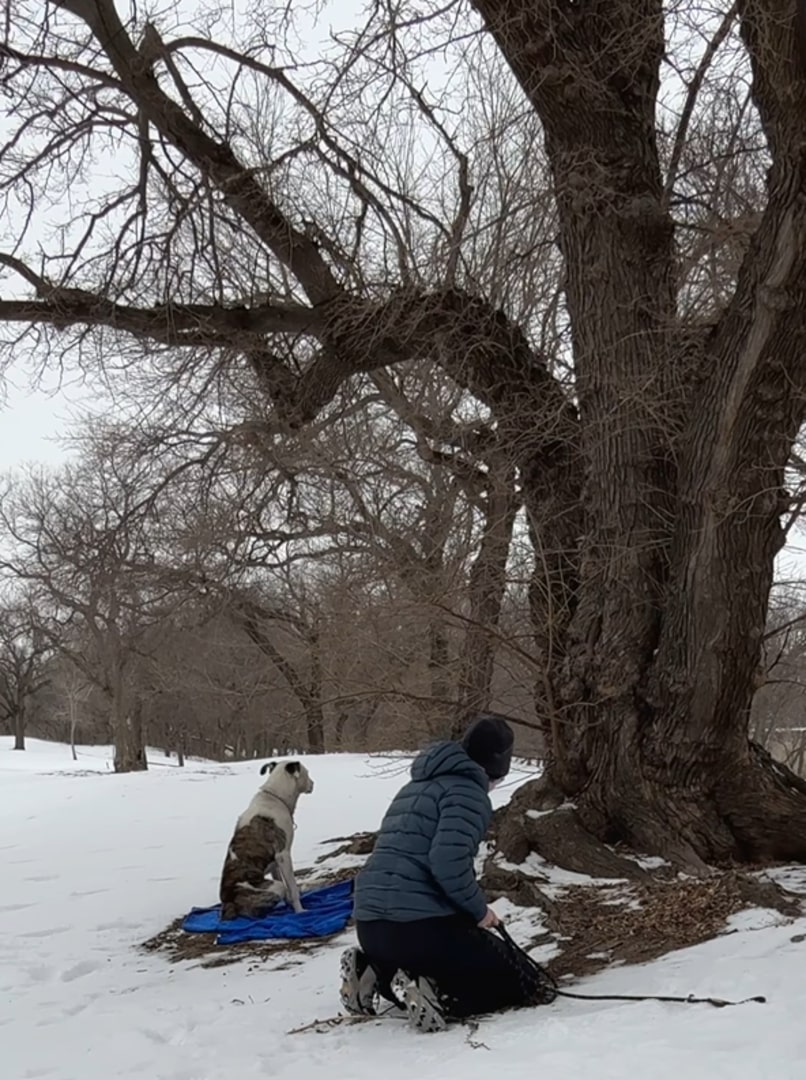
x=423, y=923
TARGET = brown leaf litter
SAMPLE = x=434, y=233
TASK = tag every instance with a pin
x=599, y=925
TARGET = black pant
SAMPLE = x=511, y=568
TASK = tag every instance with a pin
x=473, y=969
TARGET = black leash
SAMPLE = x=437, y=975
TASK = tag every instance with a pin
x=718, y=1003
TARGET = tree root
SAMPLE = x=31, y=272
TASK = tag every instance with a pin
x=518, y=888
x=560, y=838
x=359, y=844
x=764, y=804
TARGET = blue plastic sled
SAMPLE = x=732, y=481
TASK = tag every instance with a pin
x=327, y=911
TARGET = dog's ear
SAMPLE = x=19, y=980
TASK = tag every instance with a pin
x=293, y=767
x=270, y=766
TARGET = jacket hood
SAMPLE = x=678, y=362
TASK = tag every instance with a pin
x=447, y=759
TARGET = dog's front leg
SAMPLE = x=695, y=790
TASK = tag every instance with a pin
x=286, y=869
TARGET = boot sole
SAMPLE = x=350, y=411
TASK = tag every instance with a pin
x=424, y=1012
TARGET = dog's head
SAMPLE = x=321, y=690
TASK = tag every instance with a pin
x=296, y=772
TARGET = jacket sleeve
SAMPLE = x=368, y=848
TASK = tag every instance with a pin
x=463, y=820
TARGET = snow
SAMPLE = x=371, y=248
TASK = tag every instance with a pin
x=94, y=864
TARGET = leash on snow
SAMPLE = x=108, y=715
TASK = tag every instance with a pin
x=718, y=1003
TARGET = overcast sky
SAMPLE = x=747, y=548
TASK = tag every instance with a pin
x=30, y=422
x=33, y=420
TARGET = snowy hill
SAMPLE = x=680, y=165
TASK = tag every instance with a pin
x=93, y=864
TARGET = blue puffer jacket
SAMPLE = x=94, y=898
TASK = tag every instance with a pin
x=422, y=864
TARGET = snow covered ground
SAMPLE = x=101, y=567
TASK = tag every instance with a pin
x=93, y=864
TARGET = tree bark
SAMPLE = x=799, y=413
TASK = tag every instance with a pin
x=19, y=728
x=342, y=716
x=440, y=678
x=486, y=588
x=73, y=724
x=315, y=719
x=127, y=726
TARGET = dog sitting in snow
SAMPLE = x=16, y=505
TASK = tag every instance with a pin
x=261, y=845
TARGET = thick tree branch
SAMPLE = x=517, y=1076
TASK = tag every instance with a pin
x=206, y=325
x=692, y=94
x=214, y=159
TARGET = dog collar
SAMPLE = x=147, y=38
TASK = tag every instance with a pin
x=285, y=804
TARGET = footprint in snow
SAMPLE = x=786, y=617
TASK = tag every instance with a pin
x=78, y=971
x=49, y=931
x=80, y=1006
x=155, y=1036
x=119, y=924
x=40, y=973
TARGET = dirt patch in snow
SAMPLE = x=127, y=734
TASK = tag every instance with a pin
x=178, y=946
x=597, y=925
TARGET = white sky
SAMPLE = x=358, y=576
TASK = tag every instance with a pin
x=27, y=423
x=31, y=422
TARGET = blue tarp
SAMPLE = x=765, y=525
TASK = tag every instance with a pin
x=326, y=912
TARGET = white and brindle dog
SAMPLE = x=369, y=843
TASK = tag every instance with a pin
x=261, y=845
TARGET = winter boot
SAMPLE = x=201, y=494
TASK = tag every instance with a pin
x=423, y=1006
x=358, y=983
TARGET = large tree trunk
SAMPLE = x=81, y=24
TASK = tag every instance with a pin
x=314, y=714
x=616, y=238
x=127, y=726
x=19, y=728
x=439, y=714
x=682, y=492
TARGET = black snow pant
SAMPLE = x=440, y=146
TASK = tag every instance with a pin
x=474, y=970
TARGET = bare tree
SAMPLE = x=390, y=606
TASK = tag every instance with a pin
x=292, y=230
x=377, y=500
x=24, y=652
x=76, y=690
x=87, y=560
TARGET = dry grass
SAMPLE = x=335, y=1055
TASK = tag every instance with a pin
x=180, y=947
